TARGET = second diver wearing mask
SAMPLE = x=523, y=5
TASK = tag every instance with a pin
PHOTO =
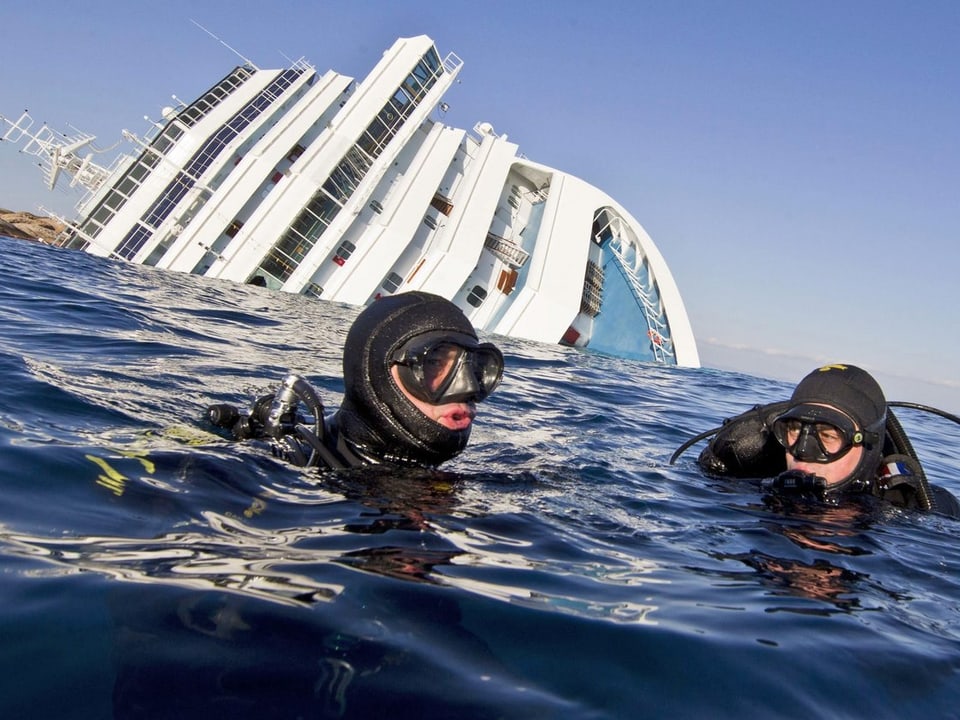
x=835, y=437
x=413, y=371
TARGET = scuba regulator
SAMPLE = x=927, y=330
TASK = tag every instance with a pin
x=276, y=417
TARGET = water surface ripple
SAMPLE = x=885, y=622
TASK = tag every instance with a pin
x=559, y=568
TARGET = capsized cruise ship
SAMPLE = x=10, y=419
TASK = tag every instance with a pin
x=318, y=184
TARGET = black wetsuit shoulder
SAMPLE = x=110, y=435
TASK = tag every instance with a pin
x=945, y=502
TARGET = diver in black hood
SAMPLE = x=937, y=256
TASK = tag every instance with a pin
x=836, y=436
x=413, y=371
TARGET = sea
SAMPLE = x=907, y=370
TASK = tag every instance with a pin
x=560, y=567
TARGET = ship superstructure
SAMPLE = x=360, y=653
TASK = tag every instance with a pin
x=347, y=191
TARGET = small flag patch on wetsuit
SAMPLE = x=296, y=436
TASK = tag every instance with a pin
x=895, y=468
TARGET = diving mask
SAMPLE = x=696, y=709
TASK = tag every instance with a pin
x=444, y=367
x=817, y=433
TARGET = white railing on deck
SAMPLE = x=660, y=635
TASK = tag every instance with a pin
x=657, y=328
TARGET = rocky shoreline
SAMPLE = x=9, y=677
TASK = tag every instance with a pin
x=27, y=226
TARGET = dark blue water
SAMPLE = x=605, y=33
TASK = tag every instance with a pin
x=559, y=568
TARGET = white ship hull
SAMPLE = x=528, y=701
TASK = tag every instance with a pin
x=313, y=183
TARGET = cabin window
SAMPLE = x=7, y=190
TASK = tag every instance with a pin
x=139, y=171
x=162, y=144
x=477, y=296
x=233, y=228
x=296, y=152
x=392, y=282
x=102, y=215
x=127, y=186
x=344, y=252
x=114, y=200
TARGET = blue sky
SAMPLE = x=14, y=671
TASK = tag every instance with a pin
x=798, y=163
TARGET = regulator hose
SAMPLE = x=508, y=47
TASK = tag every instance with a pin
x=903, y=445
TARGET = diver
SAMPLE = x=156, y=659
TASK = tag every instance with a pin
x=836, y=437
x=413, y=371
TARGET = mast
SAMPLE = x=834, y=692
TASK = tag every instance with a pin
x=57, y=152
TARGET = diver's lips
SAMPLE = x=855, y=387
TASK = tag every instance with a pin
x=458, y=419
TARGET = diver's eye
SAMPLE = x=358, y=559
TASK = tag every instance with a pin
x=791, y=430
x=437, y=365
x=830, y=437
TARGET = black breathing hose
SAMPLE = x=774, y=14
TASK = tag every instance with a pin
x=905, y=447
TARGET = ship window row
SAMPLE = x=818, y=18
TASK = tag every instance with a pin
x=167, y=138
x=149, y=159
x=411, y=91
x=133, y=179
x=211, y=149
x=302, y=235
x=350, y=171
x=174, y=193
x=213, y=97
x=215, y=145
x=118, y=196
x=134, y=240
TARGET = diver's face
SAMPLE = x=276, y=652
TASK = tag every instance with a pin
x=817, y=432
x=833, y=472
x=453, y=416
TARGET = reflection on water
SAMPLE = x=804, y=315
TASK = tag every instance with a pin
x=195, y=560
x=418, y=510
x=817, y=580
x=822, y=531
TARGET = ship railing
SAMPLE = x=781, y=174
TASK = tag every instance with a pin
x=539, y=195
x=657, y=328
x=507, y=251
x=303, y=65
x=452, y=62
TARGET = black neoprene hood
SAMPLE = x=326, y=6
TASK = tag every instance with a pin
x=847, y=388
x=376, y=419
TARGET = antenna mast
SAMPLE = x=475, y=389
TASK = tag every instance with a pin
x=245, y=60
x=57, y=152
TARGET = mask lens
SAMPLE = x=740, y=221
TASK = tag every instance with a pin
x=487, y=365
x=438, y=364
x=831, y=438
x=440, y=372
